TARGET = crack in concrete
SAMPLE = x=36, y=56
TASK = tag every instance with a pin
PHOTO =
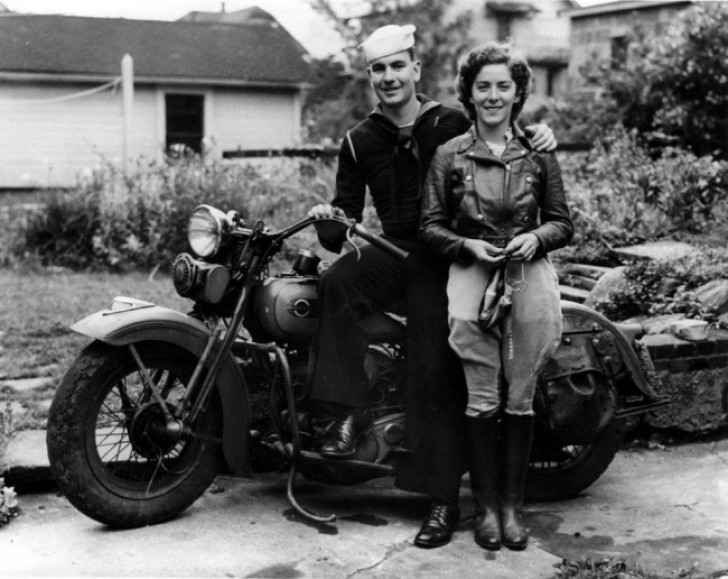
x=393, y=550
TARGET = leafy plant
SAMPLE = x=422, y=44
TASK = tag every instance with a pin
x=6, y=428
x=672, y=88
x=586, y=568
x=120, y=222
x=659, y=287
x=8, y=503
x=622, y=196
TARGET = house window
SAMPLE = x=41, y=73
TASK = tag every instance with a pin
x=551, y=74
x=504, y=23
x=185, y=121
x=618, y=47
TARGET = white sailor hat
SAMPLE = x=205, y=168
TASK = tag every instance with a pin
x=388, y=40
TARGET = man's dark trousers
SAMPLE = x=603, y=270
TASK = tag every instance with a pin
x=435, y=393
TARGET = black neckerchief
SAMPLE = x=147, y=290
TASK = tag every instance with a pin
x=406, y=145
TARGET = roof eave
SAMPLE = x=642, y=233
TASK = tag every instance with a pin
x=621, y=6
x=149, y=79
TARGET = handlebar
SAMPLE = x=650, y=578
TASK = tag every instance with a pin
x=380, y=242
x=351, y=226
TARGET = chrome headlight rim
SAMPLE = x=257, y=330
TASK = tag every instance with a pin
x=206, y=229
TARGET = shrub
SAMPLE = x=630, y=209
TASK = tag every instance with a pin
x=118, y=222
x=586, y=568
x=658, y=287
x=8, y=503
x=671, y=88
x=6, y=428
x=621, y=196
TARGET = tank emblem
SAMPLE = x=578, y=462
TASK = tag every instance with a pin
x=302, y=308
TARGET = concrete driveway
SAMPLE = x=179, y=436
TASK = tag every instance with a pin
x=665, y=509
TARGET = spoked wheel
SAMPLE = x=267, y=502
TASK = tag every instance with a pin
x=561, y=472
x=112, y=450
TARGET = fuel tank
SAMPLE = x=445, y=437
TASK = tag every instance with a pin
x=287, y=308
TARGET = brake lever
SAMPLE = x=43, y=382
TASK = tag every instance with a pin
x=350, y=241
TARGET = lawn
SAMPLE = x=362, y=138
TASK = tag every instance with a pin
x=39, y=306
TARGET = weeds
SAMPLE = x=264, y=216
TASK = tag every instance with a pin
x=8, y=503
x=586, y=568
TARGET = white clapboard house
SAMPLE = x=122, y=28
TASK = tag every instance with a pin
x=211, y=85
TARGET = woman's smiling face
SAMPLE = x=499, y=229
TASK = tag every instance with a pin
x=493, y=94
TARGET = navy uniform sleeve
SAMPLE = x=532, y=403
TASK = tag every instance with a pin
x=350, y=194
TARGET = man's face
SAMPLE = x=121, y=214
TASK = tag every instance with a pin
x=393, y=78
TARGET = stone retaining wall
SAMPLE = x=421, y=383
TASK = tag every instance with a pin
x=695, y=376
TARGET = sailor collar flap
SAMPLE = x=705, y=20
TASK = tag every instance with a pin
x=426, y=105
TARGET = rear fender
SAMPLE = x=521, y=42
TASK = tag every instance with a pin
x=130, y=320
x=578, y=318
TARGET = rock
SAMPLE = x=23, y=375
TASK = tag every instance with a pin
x=26, y=458
x=611, y=282
x=660, y=324
x=691, y=330
x=573, y=294
x=656, y=250
x=698, y=401
x=25, y=384
x=714, y=294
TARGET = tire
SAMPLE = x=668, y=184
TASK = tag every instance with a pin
x=559, y=473
x=107, y=447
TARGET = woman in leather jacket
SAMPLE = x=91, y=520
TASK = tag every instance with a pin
x=496, y=207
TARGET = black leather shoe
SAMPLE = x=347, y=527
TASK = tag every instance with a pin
x=342, y=435
x=439, y=525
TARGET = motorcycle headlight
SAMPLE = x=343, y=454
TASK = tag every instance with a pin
x=206, y=230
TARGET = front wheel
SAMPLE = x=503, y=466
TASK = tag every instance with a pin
x=558, y=472
x=109, y=448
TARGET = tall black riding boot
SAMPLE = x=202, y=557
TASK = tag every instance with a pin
x=516, y=446
x=482, y=434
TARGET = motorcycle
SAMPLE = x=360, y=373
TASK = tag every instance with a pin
x=161, y=402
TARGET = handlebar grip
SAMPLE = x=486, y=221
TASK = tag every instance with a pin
x=381, y=243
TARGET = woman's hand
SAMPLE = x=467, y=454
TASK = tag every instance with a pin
x=522, y=247
x=483, y=251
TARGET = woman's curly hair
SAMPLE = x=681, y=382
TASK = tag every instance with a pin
x=494, y=53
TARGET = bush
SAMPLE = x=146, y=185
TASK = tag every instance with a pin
x=586, y=568
x=672, y=87
x=621, y=196
x=8, y=503
x=6, y=428
x=659, y=287
x=118, y=222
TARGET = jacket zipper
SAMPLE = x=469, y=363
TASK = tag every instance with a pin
x=506, y=188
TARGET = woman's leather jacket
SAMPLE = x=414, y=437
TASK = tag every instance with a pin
x=472, y=194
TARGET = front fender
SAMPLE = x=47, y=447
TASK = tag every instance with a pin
x=130, y=320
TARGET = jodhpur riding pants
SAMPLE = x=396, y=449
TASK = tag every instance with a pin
x=517, y=349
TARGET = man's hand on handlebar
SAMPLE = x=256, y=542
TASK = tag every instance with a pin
x=325, y=211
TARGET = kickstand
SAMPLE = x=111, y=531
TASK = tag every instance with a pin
x=294, y=503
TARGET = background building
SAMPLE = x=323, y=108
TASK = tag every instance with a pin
x=227, y=86
x=603, y=31
x=538, y=28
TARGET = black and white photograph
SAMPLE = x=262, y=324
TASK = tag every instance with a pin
x=374, y=289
